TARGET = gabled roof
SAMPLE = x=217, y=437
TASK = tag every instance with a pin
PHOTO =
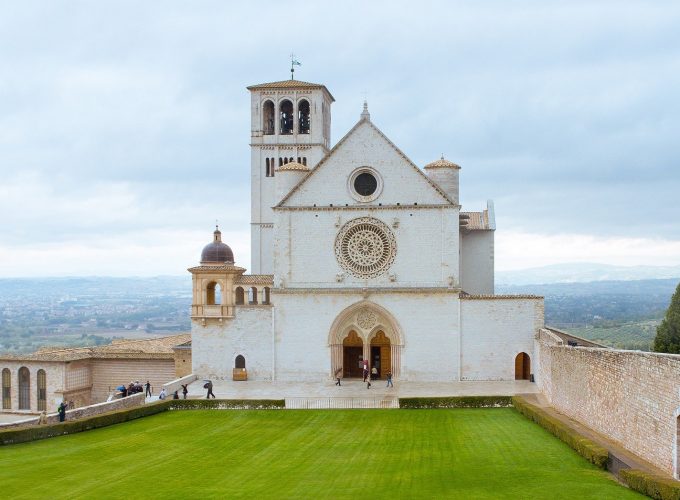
x=290, y=84
x=159, y=347
x=341, y=141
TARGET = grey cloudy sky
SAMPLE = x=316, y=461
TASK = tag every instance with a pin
x=124, y=126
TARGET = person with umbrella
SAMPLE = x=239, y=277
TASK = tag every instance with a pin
x=209, y=385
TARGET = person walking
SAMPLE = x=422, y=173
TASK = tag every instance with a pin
x=368, y=381
x=338, y=372
x=162, y=394
x=148, y=389
x=209, y=385
x=61, y=409
x=389, y=379
x=175, y=395
x=185, y=391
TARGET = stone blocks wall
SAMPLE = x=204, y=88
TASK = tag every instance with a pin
x=631, y=397
x=494, y=332
x=54, y=377
x=107, y=374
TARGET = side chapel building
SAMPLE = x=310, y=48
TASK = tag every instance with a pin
x=357, y=255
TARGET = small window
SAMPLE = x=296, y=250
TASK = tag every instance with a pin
x=24, y=389
x=6, y=389
x=365, y=184
x=240, y=296
x=42, y=390
x=240, y=362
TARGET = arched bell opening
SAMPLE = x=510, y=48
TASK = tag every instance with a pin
x=268, y=118
x=286, y=116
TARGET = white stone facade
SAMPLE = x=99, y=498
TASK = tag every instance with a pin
x=365, y=258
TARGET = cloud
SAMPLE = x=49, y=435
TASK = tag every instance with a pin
x=116, y=119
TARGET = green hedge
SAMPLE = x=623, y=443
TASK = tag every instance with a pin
x=457, y=402
x=592, y=452
x=658, y=487
x=35, y=432
x=226, y=404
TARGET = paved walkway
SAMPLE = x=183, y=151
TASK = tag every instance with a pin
x=355, y=388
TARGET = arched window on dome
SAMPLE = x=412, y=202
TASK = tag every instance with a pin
x=240, y=296
x=268, y=118
x=240, y=362
x=213, y=294
x=24, y=389
x=267, y=299
x=303, y=117
x=252, y=295
x=6, y=389
x=42, y=390
x=286, y=115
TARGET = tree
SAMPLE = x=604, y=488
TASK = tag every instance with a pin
x=668, y=332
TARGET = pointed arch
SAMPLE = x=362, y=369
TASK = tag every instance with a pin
x=364, y=320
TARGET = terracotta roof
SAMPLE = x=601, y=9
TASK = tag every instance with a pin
x=474, y=221
x=256, y=279
x=225, y=267
x=442, y=163
x=293, y=165
x=289, y=84
x=160, y=347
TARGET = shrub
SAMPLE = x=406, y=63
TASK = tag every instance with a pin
x=457, y=402
x=658, y=487
x=34, y=432
x=592, y=452
x=227, y=404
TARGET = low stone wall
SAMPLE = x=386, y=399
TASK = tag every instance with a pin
x=632, y=397
x=176, y=385
x=85, y=411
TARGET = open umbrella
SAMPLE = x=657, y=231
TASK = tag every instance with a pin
x=120, y=388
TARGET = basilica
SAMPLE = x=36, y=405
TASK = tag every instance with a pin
x=360, y=259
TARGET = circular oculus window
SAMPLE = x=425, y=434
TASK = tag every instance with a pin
x=365, y=247
x=365, y=184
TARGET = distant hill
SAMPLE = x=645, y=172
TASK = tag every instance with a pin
x=584, y=272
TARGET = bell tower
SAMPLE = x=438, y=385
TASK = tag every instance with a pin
x=290, y=122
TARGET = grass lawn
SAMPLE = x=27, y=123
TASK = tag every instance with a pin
x=359, y=454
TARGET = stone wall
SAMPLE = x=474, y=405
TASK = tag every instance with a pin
x=495, y=329
x=182, y=361
x=54, y=378
x=107, y=374
x=476, y=256
x=631, y=397
x=86, y=411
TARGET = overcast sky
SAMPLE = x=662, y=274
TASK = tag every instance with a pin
x=124, y=126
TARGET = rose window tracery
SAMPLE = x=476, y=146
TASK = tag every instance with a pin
x=366, y=319
x=365, y=247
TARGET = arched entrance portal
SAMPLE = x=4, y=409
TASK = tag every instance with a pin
x=365, y=331
x=522, y=366
x=352, y=355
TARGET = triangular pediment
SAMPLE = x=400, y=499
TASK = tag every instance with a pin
x=401, y=181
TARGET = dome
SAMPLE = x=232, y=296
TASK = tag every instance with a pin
x=217, y=252
x=442, y=163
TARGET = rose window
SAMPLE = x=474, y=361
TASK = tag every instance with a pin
x=365, y=247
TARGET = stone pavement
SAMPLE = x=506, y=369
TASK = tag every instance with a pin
x=355, y=388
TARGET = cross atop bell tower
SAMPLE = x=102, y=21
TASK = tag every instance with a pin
x=290, y=122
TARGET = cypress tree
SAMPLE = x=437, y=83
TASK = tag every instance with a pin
x=668, y=332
